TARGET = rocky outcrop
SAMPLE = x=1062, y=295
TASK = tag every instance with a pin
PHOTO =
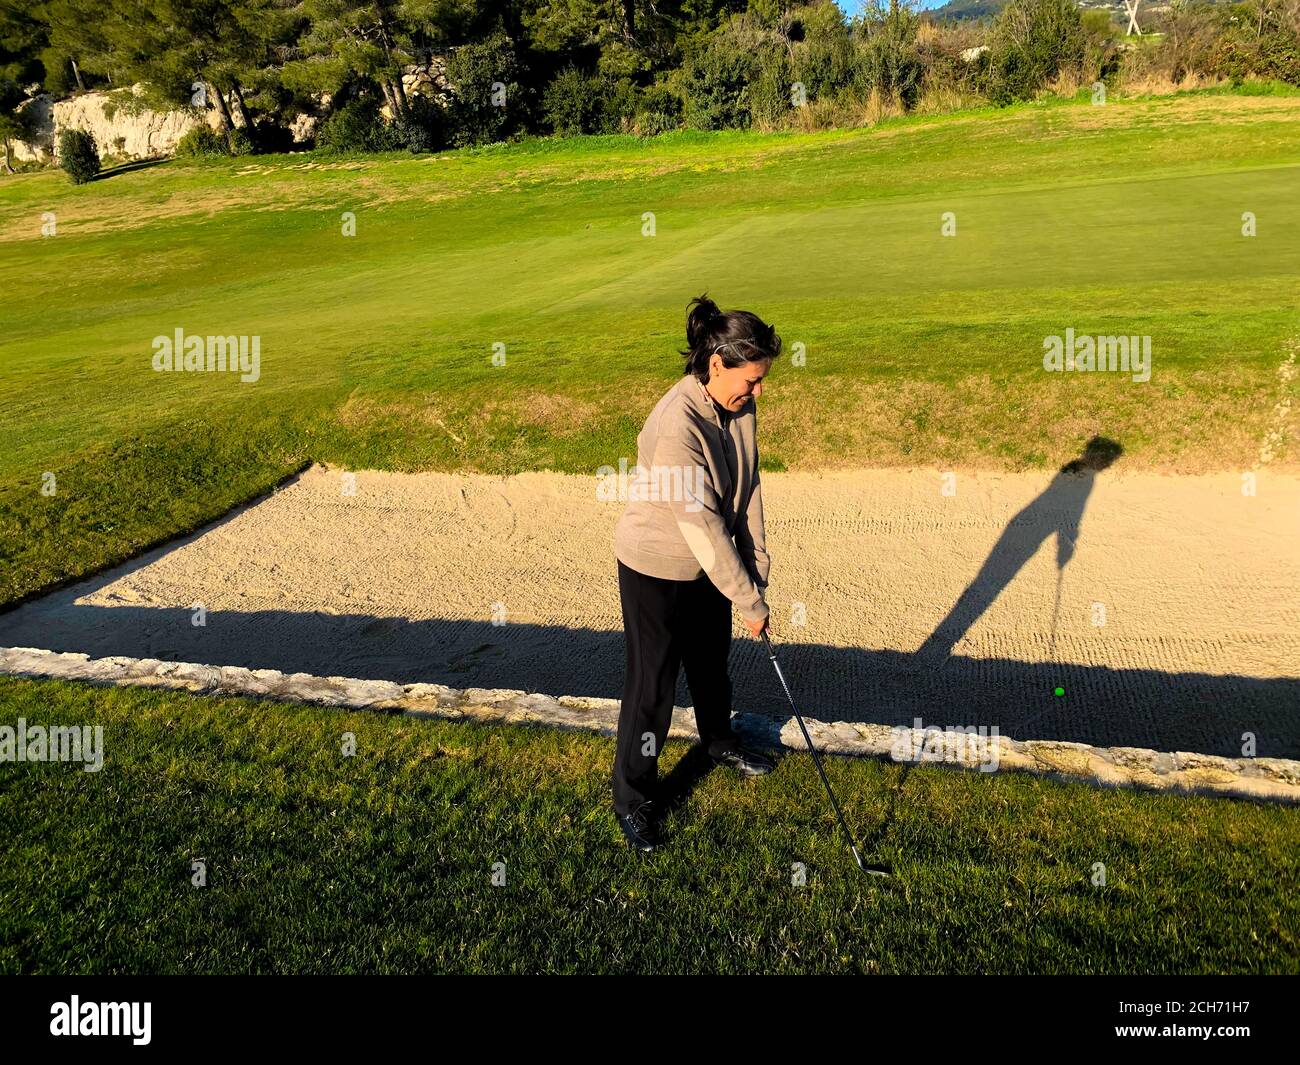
x=428, y=80
x=118, y=131
x=303, y=128
x=39, y=113
x=1273, y=779
x=128, y=134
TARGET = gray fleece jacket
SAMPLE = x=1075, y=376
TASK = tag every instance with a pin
x=695, y=487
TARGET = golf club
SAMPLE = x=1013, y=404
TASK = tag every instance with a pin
x=873, y=870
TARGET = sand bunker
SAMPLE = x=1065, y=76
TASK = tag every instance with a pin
x=1178, y=625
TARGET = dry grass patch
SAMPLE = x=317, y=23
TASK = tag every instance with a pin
x=838, y=422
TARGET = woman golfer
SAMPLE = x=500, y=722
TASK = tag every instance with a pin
x=690, y=545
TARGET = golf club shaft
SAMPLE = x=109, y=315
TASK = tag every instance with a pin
x=813, y=751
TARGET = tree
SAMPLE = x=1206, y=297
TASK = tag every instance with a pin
x=374, y=40
x=22, y=38
x=187, y=52
x=12, y=128
x=1032, y=41
x=78, y=155
x=484, y=76
x=888, y=58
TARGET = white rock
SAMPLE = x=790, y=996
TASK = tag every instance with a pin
x=150, y=134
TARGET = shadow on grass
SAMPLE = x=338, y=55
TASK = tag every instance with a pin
x=127, y=168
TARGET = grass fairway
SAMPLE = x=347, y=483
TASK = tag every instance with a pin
x=376, y=348
x=382, y=862
x=376, y=353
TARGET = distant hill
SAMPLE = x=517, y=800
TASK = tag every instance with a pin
x=960, y=9
x=956, y=10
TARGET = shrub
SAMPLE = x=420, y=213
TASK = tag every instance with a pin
x=618, y=100
x=659, y=110
x=488, y=102
x=1032, y=41
x=1097, y=23
x=78, y=155
x=770, y=90
x=949, y=79
x=357, y=126
x=201, y=140
x=716, y=79
x=745, y=72
x=652, y=123
x=822, y=55
x=1262, y=39
x=1101, y=56
x=888, y=58
x=572, y=102
x=240, y=141
x=422, y=127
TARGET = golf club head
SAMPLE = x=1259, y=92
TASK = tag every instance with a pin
x=872, y=869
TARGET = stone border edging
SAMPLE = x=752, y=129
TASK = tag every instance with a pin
x=1274, y=779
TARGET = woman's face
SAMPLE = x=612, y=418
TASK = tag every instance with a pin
x=732, y=386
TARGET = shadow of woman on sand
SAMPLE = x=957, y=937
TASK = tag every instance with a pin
x=1059, y=509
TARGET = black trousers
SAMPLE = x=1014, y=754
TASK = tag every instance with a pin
x=668, y=624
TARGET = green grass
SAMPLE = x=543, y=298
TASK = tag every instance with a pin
x=382, y=862
x=376, y=349
x=376, y=354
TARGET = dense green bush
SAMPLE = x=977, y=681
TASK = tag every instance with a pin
x=888, y=60
x=422, y=127
x=575, y=103
x=822, y=56
x=716, y=78
x=78, y=155
x=771, y=87
x=357, y=126
x=1032, y=41
x=1257, y=38
x=620, y=99
x=659, y=110
x=572, y=102
x=201, y=140
x=241, y=142
x=489, y=103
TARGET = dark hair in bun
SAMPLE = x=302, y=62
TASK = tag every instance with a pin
x=737, y=336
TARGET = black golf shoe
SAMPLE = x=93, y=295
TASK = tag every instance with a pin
x=641, y=827
x=749, y=763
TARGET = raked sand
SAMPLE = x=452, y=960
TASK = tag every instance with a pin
x=1178, y=625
